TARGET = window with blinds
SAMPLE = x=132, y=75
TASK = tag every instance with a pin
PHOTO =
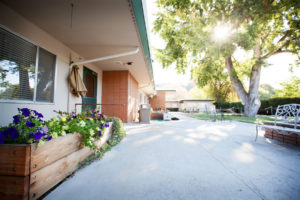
x=26, y=70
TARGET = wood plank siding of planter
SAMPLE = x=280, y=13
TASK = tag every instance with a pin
x=29, y=171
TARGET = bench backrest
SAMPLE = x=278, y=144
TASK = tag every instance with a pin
x=288, y=113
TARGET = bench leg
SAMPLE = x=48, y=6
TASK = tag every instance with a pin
x=256, y=133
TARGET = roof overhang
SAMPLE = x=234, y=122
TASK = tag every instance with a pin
x=165, y=90
x=96, y=29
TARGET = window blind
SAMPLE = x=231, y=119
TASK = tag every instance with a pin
x=46, y=73
x=17, y=67
x=18, y=70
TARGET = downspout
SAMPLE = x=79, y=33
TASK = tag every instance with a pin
x=97, y=60
x=106, y=57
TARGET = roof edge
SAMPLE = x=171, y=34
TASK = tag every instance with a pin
x=138, y=10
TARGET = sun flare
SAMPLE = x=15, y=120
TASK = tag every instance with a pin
x=222, y=32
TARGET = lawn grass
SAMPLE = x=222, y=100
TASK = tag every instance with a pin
x=203, y=116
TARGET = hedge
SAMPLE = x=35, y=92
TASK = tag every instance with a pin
x=274, y=102
x=235, y=106
x=172, y=109
x=265, y=105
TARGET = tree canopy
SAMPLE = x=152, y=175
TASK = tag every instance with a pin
x=206, y=34
x=291, y=88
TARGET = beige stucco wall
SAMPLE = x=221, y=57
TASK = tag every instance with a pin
x=14, y=22
x=172, y=105
x=198, y=106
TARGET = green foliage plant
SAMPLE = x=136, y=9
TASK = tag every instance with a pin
x=261, y=29
x=29, y=127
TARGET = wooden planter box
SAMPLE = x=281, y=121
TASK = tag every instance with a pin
x=292, y=138
x=28, y=171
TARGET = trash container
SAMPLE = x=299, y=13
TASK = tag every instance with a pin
x=145, y=113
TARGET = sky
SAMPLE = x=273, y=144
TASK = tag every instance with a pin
x=274, y=74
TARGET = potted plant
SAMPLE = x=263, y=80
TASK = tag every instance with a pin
x=32, y=149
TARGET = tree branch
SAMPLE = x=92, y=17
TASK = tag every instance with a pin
x=277, y=51
x=235, y=80
x=285, y=35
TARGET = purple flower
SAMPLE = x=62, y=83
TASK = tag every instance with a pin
x=39, y=115
x=30, y=124
x=45, y=129
x=13, y=133
x=106, y=125
x=25, y=112
x=99, y=133
x=31, y=134
x=38, y=135
x=101, y=125
x=16, y=119
x=2, y=136
x=49, y=138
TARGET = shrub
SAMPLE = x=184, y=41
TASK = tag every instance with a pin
x=274, y=102
x=172, y=109
x=236, y=106
x=265, y=105
x=118, y=132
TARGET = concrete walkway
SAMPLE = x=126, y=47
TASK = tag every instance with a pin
x=189, y=159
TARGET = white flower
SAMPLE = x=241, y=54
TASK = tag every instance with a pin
x=41, y=142
x=66, y=127
x=63, y=133
x=92, y=132
x=54, y=135
x=82, y=123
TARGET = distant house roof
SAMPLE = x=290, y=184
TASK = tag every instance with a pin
x=182, y=100
x=173, y=101
x=166, y=90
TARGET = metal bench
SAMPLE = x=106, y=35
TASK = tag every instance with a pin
x=286, y=120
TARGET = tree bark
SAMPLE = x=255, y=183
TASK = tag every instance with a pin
x=253, y=104
x=249, y=100
x=24, y=90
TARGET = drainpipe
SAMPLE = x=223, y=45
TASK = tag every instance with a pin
x=128, y=53
x=106, y=57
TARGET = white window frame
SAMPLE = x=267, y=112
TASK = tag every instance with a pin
x=15, y=101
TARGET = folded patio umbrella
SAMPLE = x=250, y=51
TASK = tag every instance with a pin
x=77, y=86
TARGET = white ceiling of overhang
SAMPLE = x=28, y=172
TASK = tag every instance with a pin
x=92, y=28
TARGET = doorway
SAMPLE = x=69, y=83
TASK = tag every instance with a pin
x=90, y=81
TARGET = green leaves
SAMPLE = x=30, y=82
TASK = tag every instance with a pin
x=260, y=28
x=291, y=88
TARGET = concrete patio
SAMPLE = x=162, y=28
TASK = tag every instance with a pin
x=189, y=159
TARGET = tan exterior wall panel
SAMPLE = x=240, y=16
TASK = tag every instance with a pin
x=119, y=87
x=159, y=101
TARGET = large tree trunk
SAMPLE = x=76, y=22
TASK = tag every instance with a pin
x=253, y=104
x=249, y=100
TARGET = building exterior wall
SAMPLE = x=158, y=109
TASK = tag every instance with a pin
x=115, y=91
x=132, y=99
x=143, y=98
x=170, y=95
x=197, y=106
x=119, y=87
x=14, y=22
x=172, y=105
x=159, y=101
